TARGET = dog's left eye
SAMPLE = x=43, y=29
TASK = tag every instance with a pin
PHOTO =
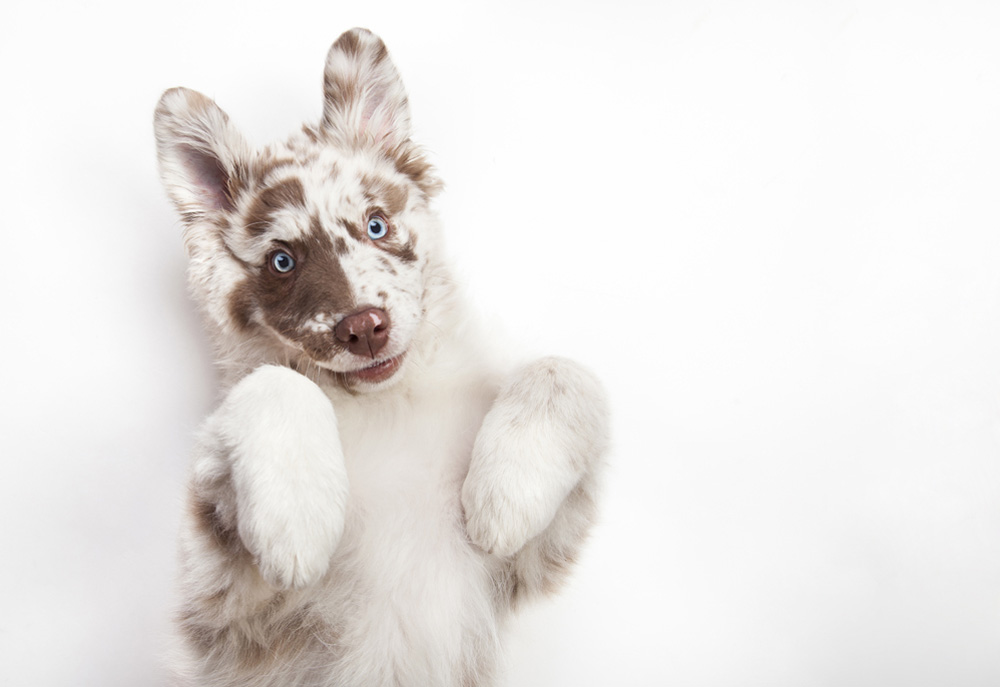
x=282, y=262
x=377, y=228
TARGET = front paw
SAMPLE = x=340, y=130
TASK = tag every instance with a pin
x=503, y=512
x=519, y=476
x=287, y=472
x=291, y=519
x=293, y=558
x=545, y=431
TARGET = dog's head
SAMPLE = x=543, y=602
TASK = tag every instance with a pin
x=312, y=253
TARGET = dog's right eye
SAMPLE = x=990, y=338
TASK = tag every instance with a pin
x=377, y=228
x=281, y=262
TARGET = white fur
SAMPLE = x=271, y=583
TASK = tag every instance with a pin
x=287, y=469
x=519, y=479
x=361, y=533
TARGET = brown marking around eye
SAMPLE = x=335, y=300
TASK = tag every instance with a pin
x=287, y=302
x=404, y=252
x=318, y=285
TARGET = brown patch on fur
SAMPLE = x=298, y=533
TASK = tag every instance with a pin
x=349, y=44
x=262, y=635
x=353, y=229
x=411, y=163
x=310, y=133
x=381, y=52
x=305, y=152
x=317, y=285
x=208, y=521
x=385, y=194
x=190, y=216
x=340, y=90
x=505, y=584
x=264, y=641
x=242, y=305
x=315, y=225
x=286, y=302
x=542, y=566
x=340, y=245
x=267, y=165
x=284, y=194
x=404, y=252
x=556, y=564
x=387, y=264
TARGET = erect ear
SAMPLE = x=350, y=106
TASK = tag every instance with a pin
x=203, y=158
x=364, y=100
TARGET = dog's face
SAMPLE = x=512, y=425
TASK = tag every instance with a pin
x=313, y=253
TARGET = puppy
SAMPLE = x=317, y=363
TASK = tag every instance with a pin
x=378, y=490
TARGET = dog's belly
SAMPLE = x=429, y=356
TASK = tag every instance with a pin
x=412, y=600
x=412, y=603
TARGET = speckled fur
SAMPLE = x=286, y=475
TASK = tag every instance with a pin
x=342, y=531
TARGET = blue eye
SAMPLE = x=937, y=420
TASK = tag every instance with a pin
x=282, y=262
x=377, y=228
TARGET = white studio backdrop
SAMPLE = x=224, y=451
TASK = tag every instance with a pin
x=773, y=229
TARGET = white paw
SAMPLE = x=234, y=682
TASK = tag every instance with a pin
x=288, y=474
x=291, y=522
x=518, y=478
x=545, y=430
x=293, y=559
x=502, y=515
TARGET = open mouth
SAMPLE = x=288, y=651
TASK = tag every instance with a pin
x=379, y=372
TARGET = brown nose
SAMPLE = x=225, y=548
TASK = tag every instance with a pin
x=365, y=333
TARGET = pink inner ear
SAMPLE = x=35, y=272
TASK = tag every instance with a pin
x=209, y=177
x=378, y=127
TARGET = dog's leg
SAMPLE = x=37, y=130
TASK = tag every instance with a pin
x=529, y=496
x=267, y=505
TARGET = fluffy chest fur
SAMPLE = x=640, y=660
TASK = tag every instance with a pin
x=414, y=597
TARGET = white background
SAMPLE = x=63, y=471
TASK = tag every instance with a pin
x=774, y=231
